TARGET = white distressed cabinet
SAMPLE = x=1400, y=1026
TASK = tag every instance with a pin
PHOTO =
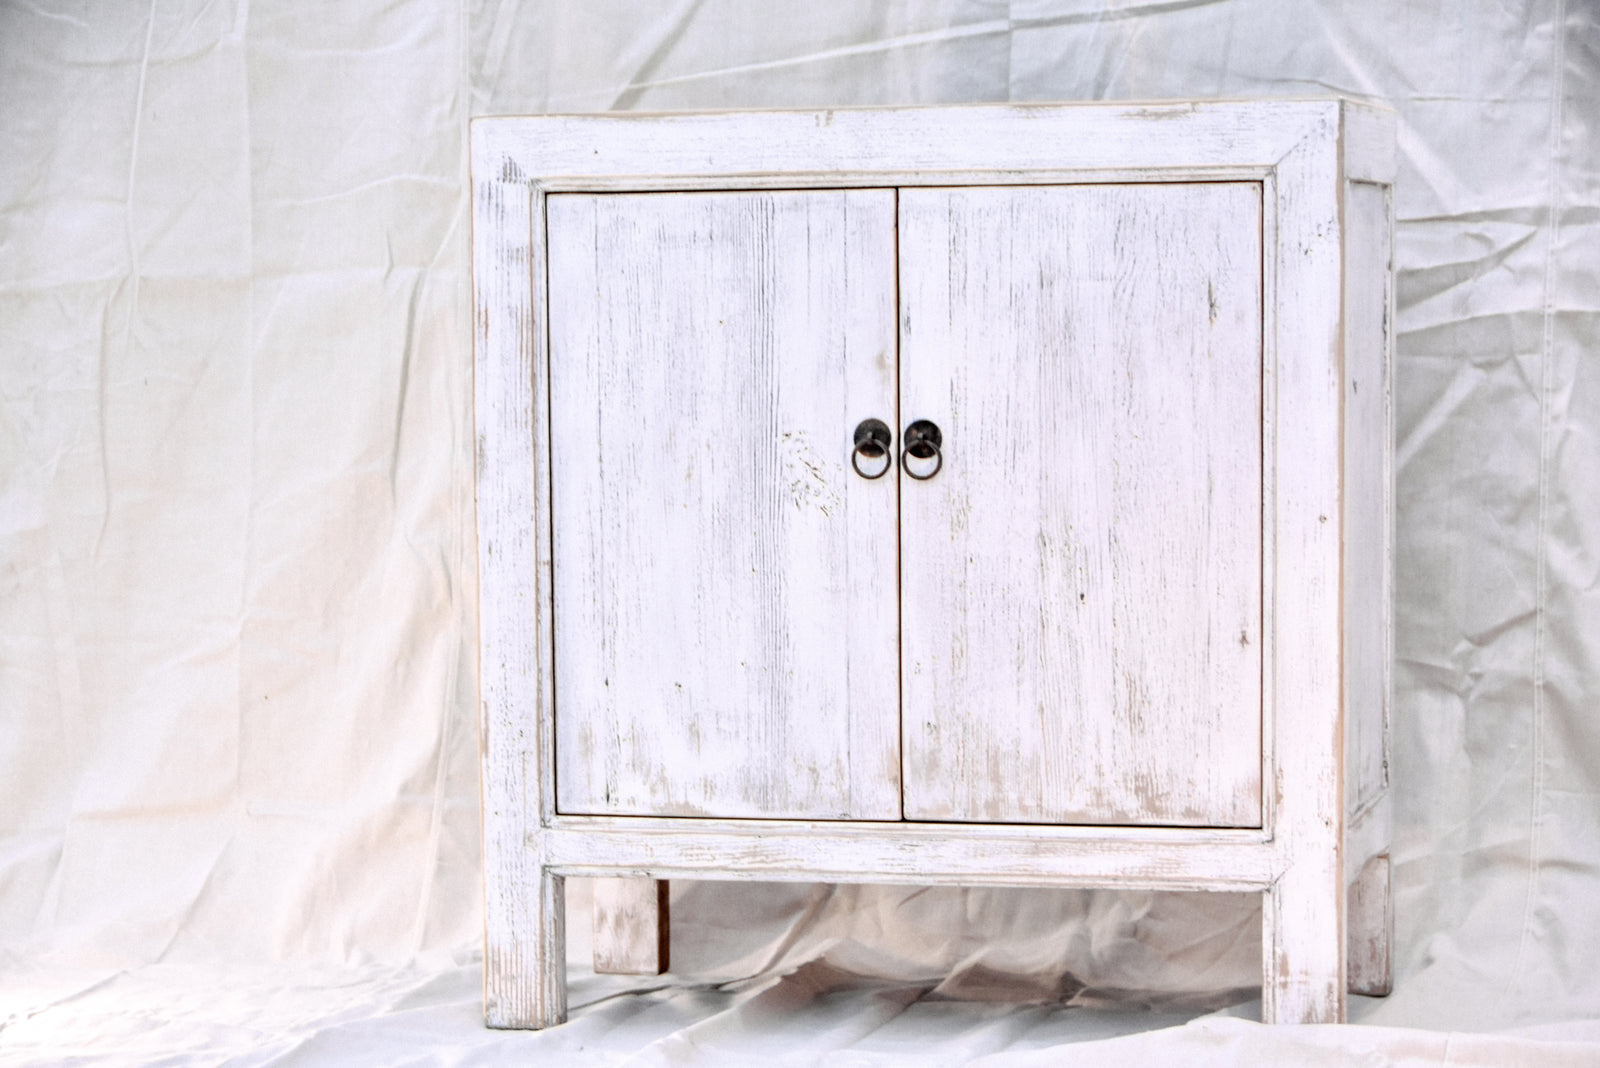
x=1122, y=622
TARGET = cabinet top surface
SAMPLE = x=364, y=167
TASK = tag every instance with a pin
x=1154, y=108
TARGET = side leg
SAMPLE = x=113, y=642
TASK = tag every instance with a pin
x=630, y=926
x=1302, y=945
x=1371, y=927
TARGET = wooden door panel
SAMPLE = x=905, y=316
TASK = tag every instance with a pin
x=725, y=601
x=1081, y=583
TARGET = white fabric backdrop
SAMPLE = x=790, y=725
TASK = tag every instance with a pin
x=238, y=768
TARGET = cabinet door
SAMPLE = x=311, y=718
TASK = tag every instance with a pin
x=1082, y=580
x=725, y=606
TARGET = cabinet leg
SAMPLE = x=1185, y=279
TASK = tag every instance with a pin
x=525, y=956
x=630, y=926
x=1371, y=925
x=1302, y=946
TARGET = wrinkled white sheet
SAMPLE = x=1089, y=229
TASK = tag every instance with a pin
x=238, y=777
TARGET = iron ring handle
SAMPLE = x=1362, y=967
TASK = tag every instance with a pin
x=933, y=450
x=922, y=440
x=872, y=439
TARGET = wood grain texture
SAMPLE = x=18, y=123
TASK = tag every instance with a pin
x=1371, y=925
x=518, y=962
x=1081, y=583
x=964, y=855
x=725, y=603
x=1303, y=915
x=1368, y=497
x=924, y=145
x=632, y=933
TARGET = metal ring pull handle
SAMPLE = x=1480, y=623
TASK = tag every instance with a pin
x=872, y=440
x=922, y=440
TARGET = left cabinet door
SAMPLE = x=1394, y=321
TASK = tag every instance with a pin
x=725, y=593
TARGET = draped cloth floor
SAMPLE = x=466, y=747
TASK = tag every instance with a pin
x=238, y=763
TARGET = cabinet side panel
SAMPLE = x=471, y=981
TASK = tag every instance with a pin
x=725, y=604
x=1082, y=581
x=1368, y=496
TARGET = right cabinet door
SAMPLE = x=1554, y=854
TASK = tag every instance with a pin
x=1081, y=583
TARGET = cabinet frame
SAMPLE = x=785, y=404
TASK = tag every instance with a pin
x=1320, y=832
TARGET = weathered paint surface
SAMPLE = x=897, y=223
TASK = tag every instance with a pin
x=632, y=935
x=725, y=604
x=1368, y=505
x=1081, y=583
x=1318, y=280
x=1370, y=967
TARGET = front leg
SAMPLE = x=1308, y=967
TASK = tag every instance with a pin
x=1302, y=945
x=525, y=952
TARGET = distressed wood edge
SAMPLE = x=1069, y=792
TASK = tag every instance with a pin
x=1389, y=505
x=870, y=178
x=1271, y=207
x=1374, y=477
x=1148, y=107
x=541, y=511
x=632, y=934
x=524, y=933
x=1307, y=270
x=1303, y=911
x=912, y=834
x=845, y=854
x=1017, y=136
x=1368, y=155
